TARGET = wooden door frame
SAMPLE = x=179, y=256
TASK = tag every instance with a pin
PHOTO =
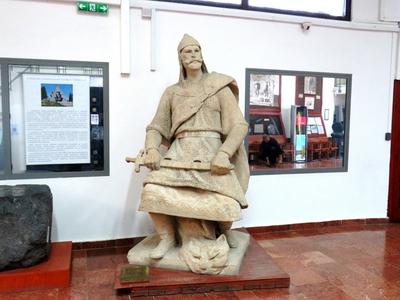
x=394, y=173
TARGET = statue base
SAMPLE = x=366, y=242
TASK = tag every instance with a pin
x=50, y=274
x=258, y=271
x=140, y=254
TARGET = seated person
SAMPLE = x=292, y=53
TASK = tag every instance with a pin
x=270, y=150
x=337, y=128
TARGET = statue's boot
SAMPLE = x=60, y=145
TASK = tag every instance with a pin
x=225, y=228
x=164, y=226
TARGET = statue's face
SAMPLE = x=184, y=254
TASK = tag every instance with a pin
x=191, y=57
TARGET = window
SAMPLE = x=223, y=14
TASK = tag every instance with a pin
x=1, y=128
x=214, y=1
x=328, y=9
x=305, y=130
x=54, y=119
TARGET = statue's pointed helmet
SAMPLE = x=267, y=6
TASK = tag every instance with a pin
x=188, y=40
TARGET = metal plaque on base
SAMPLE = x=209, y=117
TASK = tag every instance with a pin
x=134, y=273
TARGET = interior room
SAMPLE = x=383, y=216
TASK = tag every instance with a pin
x=81, y=81
x=321, y=99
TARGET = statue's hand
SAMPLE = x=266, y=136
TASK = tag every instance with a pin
x=220, y=164
x=152, y=159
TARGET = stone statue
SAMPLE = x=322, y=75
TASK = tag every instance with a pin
x=195, y=192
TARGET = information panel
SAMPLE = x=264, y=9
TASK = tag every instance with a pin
x=57, y=119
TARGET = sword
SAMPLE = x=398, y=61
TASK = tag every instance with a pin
x=174, y=164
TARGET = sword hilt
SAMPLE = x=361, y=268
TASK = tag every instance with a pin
x=138, y=161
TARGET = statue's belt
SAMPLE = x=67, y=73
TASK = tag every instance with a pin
x=200, y=133
x=173, y=164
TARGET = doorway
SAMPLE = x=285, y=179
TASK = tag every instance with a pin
x=394, y=175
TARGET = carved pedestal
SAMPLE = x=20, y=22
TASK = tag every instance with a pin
x=139, y=255
x=257, y=271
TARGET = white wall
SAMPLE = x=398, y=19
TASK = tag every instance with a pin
x=102, y=208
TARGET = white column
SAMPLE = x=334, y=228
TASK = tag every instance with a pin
x=125, y=37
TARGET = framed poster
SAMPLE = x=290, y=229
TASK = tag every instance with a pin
x=310, y=85
x=56, y=118
x=264, y=90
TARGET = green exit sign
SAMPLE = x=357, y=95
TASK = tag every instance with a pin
x=92, y=7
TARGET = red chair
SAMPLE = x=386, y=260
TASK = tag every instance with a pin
x=314, y=150
x=325, y=150
x=288, y=152
x=333, y=149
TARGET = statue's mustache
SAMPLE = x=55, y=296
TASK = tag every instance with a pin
x=195, y=60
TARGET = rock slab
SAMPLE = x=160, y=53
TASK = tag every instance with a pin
x=25, y=225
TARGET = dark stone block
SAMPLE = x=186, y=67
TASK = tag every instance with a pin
x=25, y=225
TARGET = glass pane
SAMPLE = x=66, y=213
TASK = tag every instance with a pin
x=1, y=131
x=215, y=1
x=56, y=118
x=330, y=7
x=305, y=128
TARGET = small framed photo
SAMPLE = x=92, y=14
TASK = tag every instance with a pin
x=326, y=114
x=309, y=102
x=259, y=128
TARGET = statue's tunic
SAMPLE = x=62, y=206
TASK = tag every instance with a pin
x=195, y=123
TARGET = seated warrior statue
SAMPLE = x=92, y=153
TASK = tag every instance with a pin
x=204, y=173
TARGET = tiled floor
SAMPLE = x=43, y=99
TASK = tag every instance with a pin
x=334, y=262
